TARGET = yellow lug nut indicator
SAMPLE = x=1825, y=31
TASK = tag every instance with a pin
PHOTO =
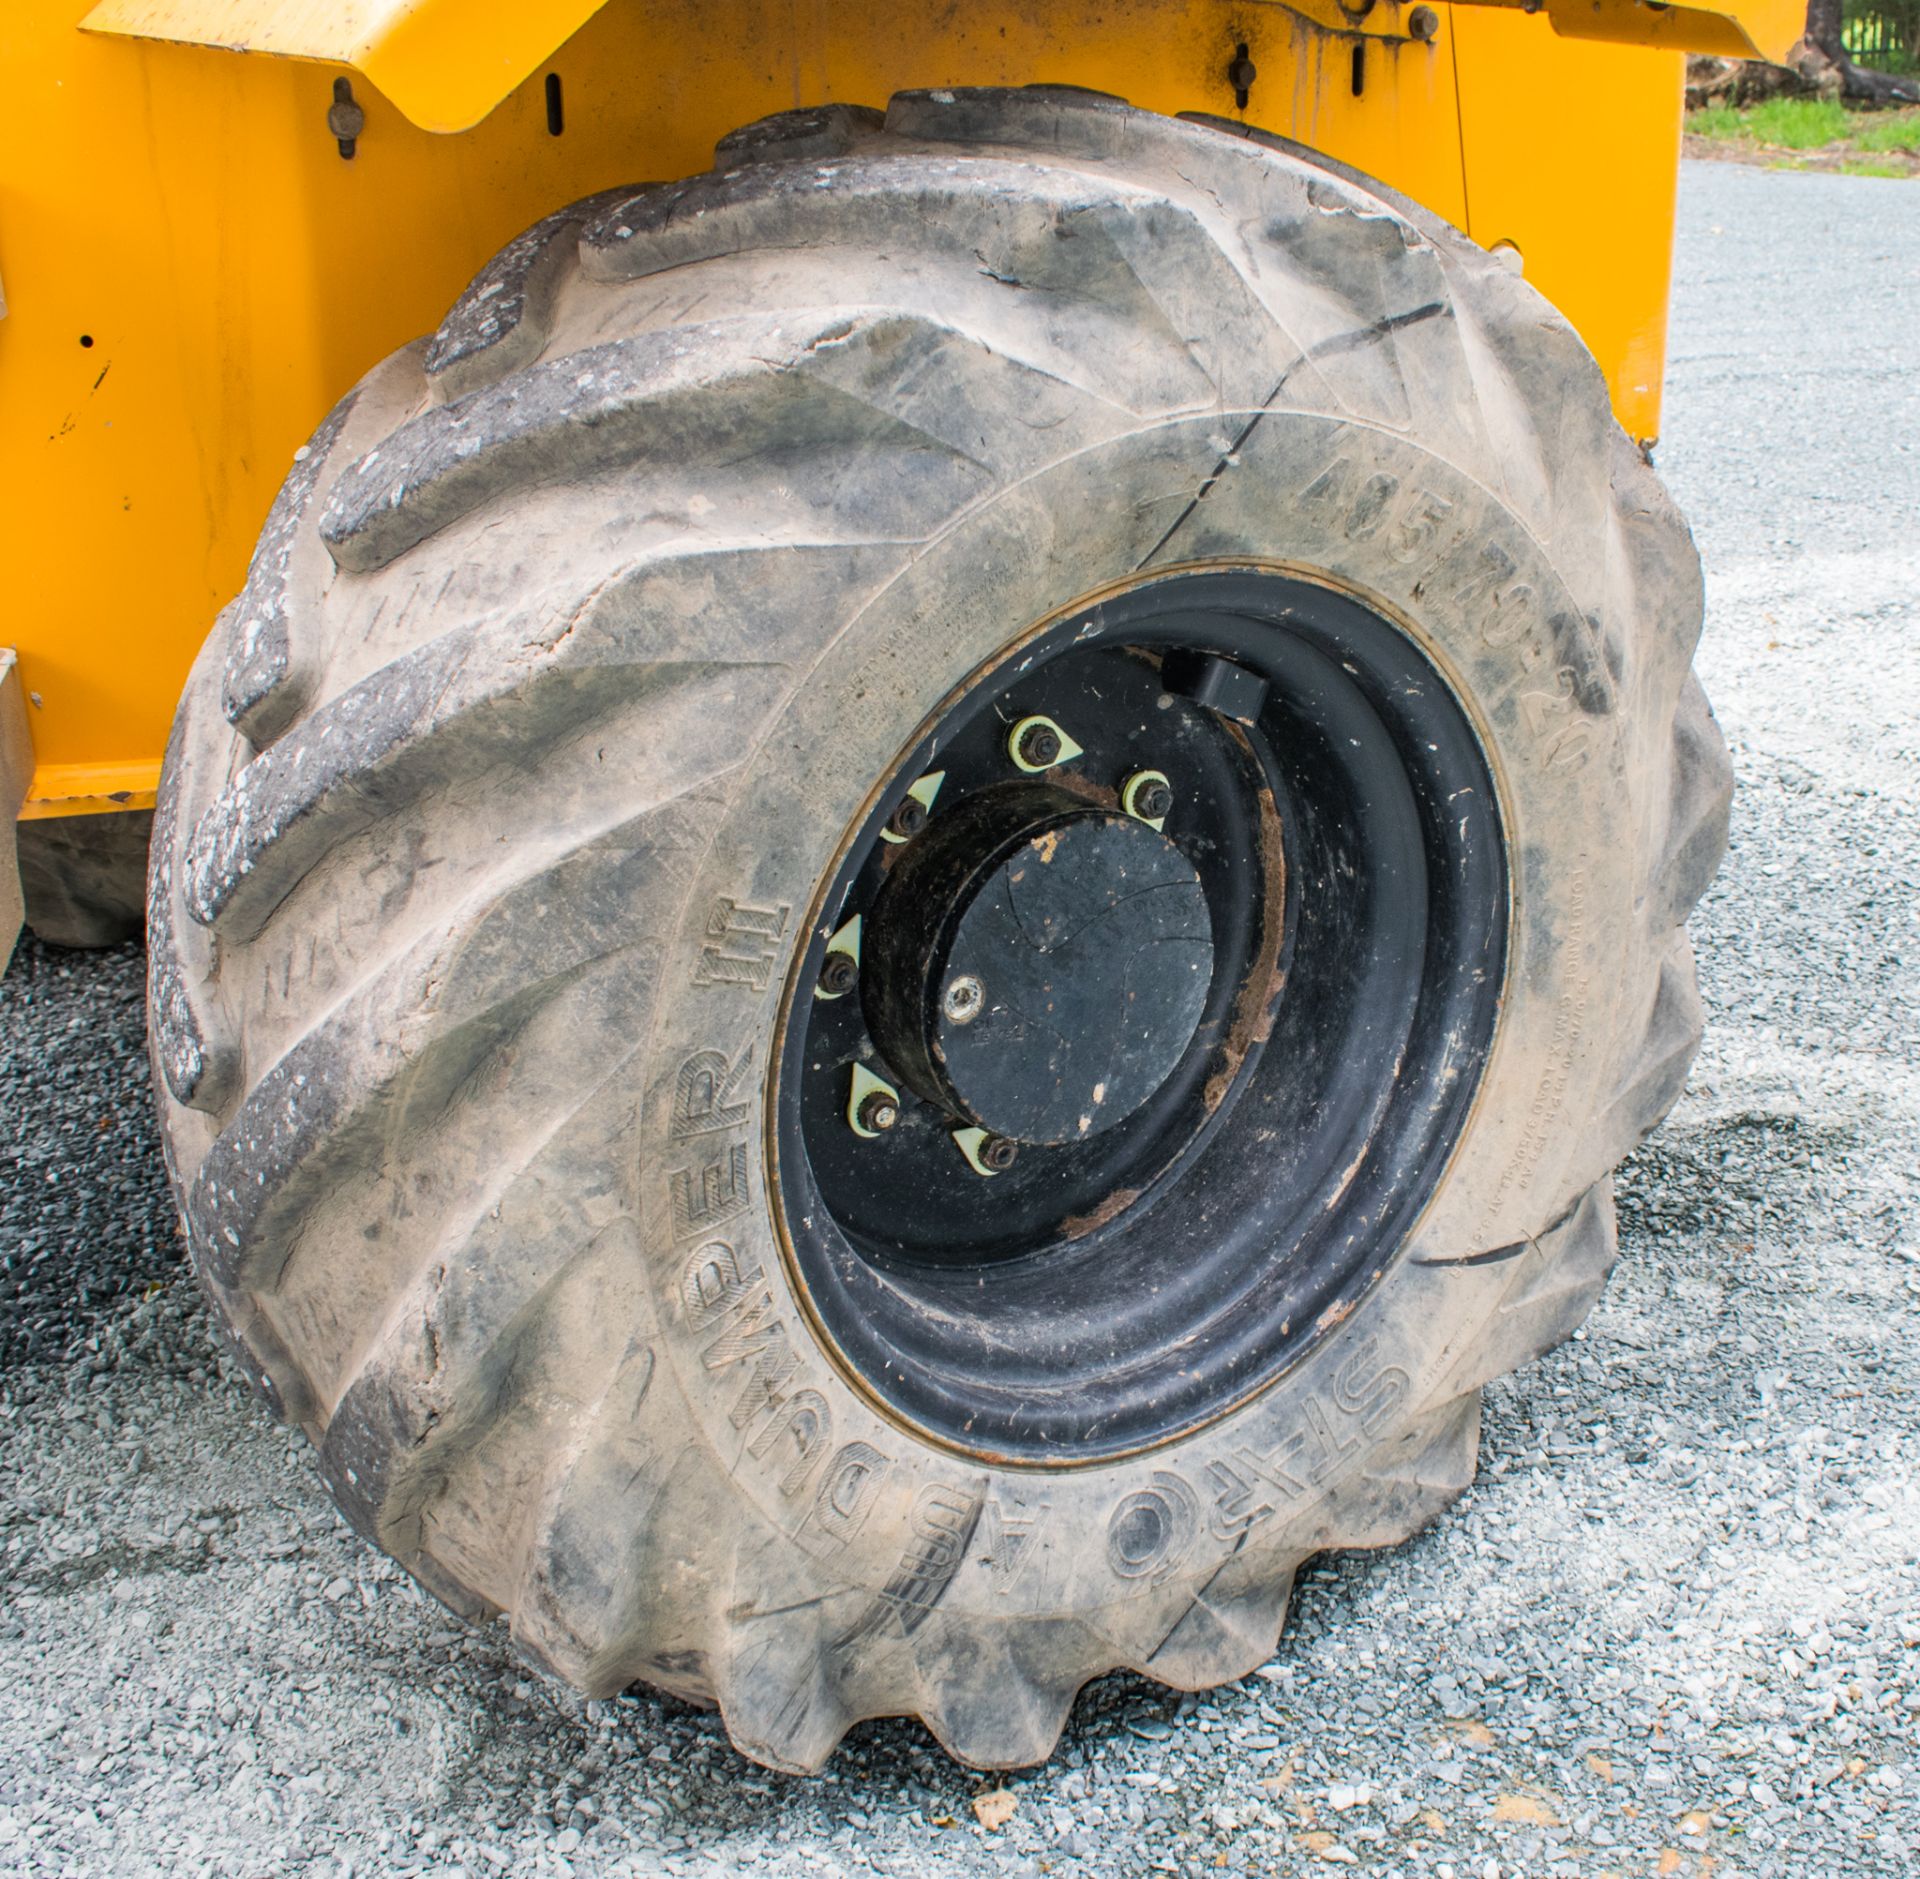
x=873, y=1104
x=1037, y=743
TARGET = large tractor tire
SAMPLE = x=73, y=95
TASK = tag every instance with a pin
x=918, y=903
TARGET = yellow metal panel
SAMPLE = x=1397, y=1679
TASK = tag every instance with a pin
x=1572, y=155
x=189, y=214
x=446, y=63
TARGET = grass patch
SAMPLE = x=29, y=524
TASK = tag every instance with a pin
x=1898, y=130
x=1786, y=123
x=1856, y=143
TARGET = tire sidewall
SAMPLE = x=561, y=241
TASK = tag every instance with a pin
x=877, y=1505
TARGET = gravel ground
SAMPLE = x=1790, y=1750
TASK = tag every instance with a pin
x=1673, y=1629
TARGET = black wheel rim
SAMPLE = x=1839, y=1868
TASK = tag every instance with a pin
x=1332, y=866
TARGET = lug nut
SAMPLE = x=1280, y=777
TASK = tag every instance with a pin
x=966, y=998
x=873, y=1106
x=915, y=809
x=909, y=819
x=837, y=974
x=1039, y=746
x=1147, y=795
x=1153, y=798
x=986, y=1154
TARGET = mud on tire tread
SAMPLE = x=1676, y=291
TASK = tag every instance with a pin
x=454, y=781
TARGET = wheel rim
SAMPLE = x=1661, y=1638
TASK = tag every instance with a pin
x=1088, y=1121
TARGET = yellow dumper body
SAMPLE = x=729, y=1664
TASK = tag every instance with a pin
x=196, y=262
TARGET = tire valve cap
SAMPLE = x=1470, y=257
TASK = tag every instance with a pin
x=986, y=1154
x=1037, y=744
x=873, y=1106
x=1147, y=796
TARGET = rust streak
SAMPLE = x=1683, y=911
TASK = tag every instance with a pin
x=1252, y=1020
x=1078, y=1226
x=1074, y=784
x=1333, y=1315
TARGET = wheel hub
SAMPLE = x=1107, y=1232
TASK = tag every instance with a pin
x=1140, y=1011
x=1038, y=965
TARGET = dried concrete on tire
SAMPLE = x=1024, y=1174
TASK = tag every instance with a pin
x=1676, y=1621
